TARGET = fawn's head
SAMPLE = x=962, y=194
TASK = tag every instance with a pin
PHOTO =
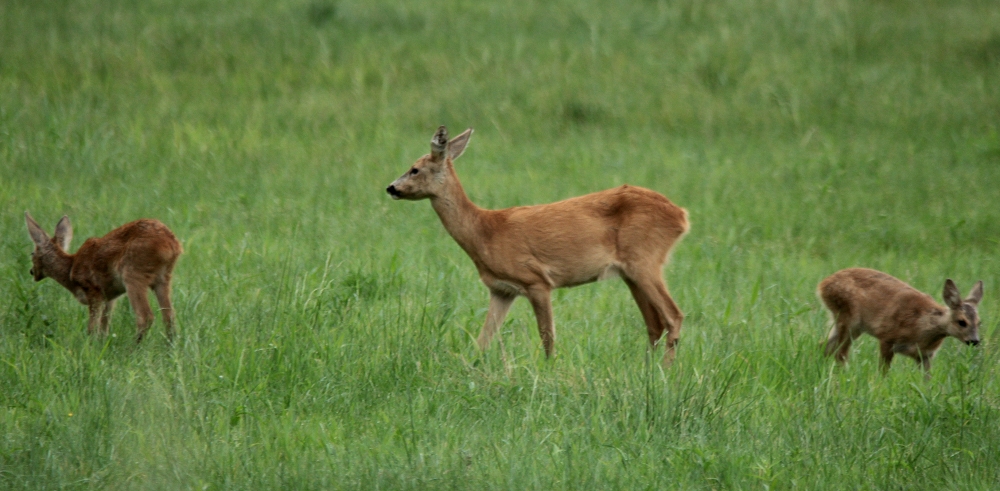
x=46, y=247
x=430, y=174
x=964, y=321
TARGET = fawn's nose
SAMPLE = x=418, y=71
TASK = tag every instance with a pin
x=972, y=342
x=392, y=191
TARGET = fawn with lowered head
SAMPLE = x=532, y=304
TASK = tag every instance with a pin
x=905, y=321
x=528, y=251
x=129, y=259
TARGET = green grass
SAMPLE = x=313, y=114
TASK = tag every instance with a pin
x=327, y=332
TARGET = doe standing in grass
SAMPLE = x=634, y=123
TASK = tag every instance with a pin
x=129, y=259
x=627, y=231
x=904, y=320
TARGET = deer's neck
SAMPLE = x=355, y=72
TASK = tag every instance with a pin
x=460, y=216
x=58, y=265
x=937, y=328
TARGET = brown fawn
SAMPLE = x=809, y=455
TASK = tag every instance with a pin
x=129, y=259
x=905, y=321
x=627, y=231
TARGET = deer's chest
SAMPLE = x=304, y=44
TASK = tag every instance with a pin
x=106, y=287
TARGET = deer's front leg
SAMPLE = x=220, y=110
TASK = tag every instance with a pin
x=96, y=307
x=886, y=353
x=106, y=316
x=925, y=362
x=541, y=303
x=499, y=305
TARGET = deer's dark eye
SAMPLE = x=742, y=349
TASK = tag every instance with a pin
x=414, y=171
x=963, y=323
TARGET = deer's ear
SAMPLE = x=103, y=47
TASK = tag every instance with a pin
x=457, y=145
x=38, y=236
x=951, y=296
x=976, y=294
x=439, y=143
x=64, y=233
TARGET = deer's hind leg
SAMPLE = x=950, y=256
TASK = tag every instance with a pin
x=659, y=311
x=135, y=288
x=541, y=303
x=840, y=338
x=654, y=327
x=162, y=291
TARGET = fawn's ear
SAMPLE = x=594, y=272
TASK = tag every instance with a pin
x=951, y=296
x=457, y=145
x=439, y=143
x=64, y=233
x=38, y=236
x=976, y=294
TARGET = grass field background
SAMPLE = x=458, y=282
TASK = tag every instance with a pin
x=326, y=334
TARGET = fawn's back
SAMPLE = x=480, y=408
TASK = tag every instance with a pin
x=143, y=249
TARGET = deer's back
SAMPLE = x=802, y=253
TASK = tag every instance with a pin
x=879, y=301
x=626, y=206
x=617, y=208
x=144, y=246
x=577, y=240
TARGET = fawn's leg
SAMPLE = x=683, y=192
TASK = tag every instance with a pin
x=106, y=316
x=140, y=305
x=96, y=308
x=925, y=361
x=840, y=338
x=162, y=291
x=886, y=352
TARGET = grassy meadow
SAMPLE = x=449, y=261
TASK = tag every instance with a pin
x=326, y=332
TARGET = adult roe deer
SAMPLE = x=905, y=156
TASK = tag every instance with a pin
x=905, y=321
x=129, y=259
x=626, y=231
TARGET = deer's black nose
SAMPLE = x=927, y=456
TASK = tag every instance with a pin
x=392, y=191
x=972, y=342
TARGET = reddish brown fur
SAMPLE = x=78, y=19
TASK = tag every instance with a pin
x=530, y=250
x=129, y=259
x=904, y=320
